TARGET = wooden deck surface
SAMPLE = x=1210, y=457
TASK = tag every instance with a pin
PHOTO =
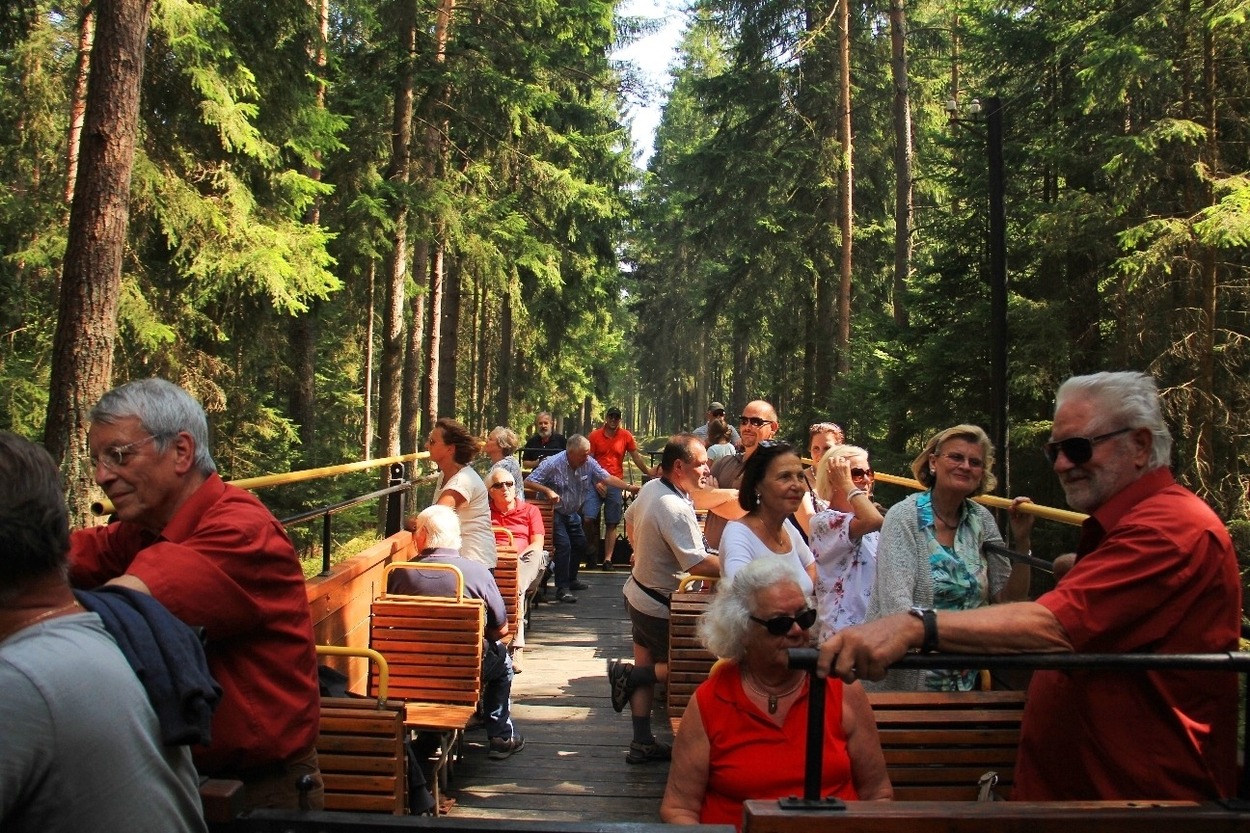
x=573, y=765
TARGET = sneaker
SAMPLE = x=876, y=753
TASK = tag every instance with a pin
x=618, y=683
x=501, y=748
x=579, y=585
x=566, y=597
x=641, y=753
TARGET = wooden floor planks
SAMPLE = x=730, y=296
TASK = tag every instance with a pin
x=573, y=765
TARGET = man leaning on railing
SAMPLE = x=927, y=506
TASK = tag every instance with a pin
x=1154, y=572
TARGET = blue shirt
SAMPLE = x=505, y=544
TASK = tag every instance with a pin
x=571, y=484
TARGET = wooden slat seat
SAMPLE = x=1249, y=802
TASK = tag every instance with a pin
x=506, y=568
x=937, y=745
x=360, y=746
x=688, y=661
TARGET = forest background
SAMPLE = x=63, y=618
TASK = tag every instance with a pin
x=346, y=217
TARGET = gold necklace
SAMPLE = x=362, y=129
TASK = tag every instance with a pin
x=773, y=698
x=26, y=623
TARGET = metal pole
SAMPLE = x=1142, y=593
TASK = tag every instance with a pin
x=395, y=503
x=812, y=775
x=998, y=287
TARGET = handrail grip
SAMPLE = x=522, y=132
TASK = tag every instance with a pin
x=1238, y=661
x=379, y=662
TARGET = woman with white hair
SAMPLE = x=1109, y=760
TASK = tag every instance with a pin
x=742, y=734
x=501, y=446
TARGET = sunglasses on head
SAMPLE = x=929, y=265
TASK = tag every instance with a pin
x=755, y=421
x=1078, y=450
x=780, y=625
x=503, y=484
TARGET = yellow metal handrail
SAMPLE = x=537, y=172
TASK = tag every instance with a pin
x=379, y=662
x=105, y=506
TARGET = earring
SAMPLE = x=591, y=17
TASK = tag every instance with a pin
x=932, y=470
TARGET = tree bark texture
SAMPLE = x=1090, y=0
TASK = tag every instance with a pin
x=903, y=176
x=86, y=331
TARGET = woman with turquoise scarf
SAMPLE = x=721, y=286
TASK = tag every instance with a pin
x=931, y=553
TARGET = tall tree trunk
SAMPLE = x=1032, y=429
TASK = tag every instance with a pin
x=411, y=426
x=78, y=97
x=903, y=175
x=398, y=172
x=86, y=329
x=1203, y=418
x=505, y=367
x=449, y=346
x=846, y=181
x=366, y=434
x=434, y=349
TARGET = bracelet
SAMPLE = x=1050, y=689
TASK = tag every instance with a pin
x=854, y=493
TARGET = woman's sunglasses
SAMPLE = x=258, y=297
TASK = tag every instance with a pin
x=857, y=473
x=780, y=625
x=1078, y=450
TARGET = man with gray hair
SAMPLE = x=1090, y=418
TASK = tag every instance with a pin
x=1154, y=572
x=566, y=479
x=436, y=538
x=217, y=559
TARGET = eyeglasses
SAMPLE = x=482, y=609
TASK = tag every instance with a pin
x=1078, y=450
x=959, y=459
x=856, y=474
x=117, y=456
x=503, y=484
x=758, y=422
x=780, y=625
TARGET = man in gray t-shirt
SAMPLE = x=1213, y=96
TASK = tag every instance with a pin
x=664, y=532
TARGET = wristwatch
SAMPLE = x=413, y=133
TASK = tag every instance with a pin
x=929, y=617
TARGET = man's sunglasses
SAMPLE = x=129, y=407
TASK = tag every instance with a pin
x=503, y=484
x=755, y=421
x=1078, y=450
x=780, y=625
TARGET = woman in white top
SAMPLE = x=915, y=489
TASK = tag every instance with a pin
x=451, y=447
x=772, y=488
x=843, y=537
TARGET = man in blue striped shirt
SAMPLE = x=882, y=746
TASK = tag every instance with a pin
x=566, y=479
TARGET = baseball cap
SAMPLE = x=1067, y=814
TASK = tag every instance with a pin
x=716, y=406
x=614, y=412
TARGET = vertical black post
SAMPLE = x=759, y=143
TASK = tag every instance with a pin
x=998, y=287
x=395, y=501
x=325, y=544
x=812, y=775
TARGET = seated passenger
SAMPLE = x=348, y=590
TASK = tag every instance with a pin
x=436, y=536
x=80, y=744
x=742, y=735
x=525, y=522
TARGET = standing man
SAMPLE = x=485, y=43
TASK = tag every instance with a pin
x=80, y=744
x=566, y=479
x=609, y=444
x=716, y=411
x=545, y=442
x=217, y=559
x=661, y=525
x=1154, y=573
x=758, y=423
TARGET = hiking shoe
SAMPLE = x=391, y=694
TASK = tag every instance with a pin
x=579, y=585
x=641, y=753
x=566, y=597
x=618, y=683
x=501, y=748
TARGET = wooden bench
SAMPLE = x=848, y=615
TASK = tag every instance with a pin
x=688, y=661
x=506, y=569
x=434, y=647
x=360, y=747
x=938, y=744
x=999, y=817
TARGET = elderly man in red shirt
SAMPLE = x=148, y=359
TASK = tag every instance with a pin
x=524, y=521
x=217, y=559
x=1154, y=572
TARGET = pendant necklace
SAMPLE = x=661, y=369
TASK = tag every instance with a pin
x=773, y=698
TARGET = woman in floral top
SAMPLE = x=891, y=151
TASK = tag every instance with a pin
x=931, y=550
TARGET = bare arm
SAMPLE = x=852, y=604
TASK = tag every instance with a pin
x=617, y=483
x=1017, y=587
x=641, y=462
x=866, y=651
x=131, y=582
x=863, y=745
x=723, y=502
x=709, y=566
x=687, y=775
x=450, y=498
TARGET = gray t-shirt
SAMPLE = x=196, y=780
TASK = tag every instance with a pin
x=80, y=746
x=666, y=538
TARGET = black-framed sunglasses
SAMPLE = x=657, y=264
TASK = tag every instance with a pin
x=503, y=484
x=1078, y=450
x=780, y=625
x=754, y=421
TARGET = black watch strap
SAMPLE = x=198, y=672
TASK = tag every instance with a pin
x=928, y=617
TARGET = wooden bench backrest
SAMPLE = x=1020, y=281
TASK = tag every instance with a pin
x=433, y=644
x=688, y=661
x=360, y=746
x=938, y=744
x=509, y=587
x=546, y=508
